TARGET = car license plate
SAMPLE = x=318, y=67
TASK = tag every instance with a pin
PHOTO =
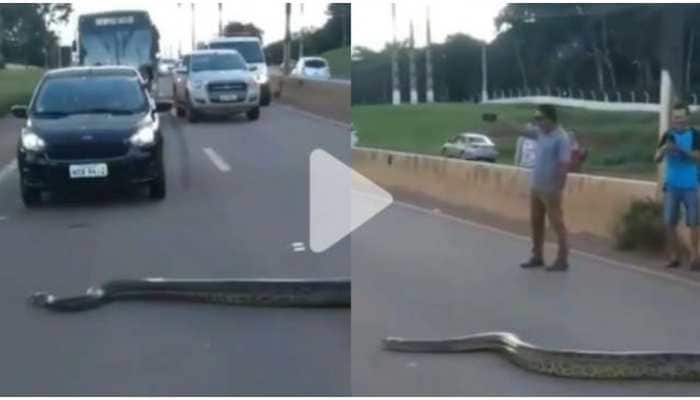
x=228, y=97
x=88, y=171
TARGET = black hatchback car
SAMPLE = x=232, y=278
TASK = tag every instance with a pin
x=90, y=125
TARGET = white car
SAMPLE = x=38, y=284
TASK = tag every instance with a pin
x=215, y=82
x=470, y=146
x=166, y=66
x=250, y=47
x=312, y=67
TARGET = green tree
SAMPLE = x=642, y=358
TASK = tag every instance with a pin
x=235, y=28
x=26, y=30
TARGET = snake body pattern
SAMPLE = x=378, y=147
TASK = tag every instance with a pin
x=563, y=363
x=333, y=292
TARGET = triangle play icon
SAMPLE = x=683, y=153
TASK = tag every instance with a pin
x=340, y=200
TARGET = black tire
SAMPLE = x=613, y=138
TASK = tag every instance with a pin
x=265, y=96
x=443, y=152
x=31, y=197
x=461, y=155
x=192, y=115
x=253, y=114
x=157, y=189
x=179, y=112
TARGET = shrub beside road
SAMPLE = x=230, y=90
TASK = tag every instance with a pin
x=16, y=86
x=339, y=62
x=620, y=143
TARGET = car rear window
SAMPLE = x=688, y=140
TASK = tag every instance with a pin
x=73, y=95
x=315, y=64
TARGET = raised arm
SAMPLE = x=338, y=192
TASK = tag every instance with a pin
x=661, y=149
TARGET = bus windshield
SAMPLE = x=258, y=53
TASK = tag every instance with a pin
x=116, y=40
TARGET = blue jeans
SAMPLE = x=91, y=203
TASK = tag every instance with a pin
x=673, y=198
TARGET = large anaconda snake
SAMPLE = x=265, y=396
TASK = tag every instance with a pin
x=564, y=363
x=333, y=292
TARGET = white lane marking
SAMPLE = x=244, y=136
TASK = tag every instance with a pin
x=8, y=169
x=590, y=256
x=216, y=159
x=298, y=247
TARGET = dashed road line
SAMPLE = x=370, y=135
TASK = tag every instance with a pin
x=216, y=159
x=298, y=247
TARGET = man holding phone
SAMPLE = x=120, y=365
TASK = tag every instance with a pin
x=680, y=149
x=547, y=181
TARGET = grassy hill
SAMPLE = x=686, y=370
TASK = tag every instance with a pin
x=17, y=86
x=339, y=60
x=620, y=143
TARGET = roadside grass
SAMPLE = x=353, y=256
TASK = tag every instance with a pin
x=339, y=61
x=620, y=143
x=16, y=86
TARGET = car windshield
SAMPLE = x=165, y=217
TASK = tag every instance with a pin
x=77, y=95
x=477, y=140
x=217, y=62
x=250, y=51
x=315, y=64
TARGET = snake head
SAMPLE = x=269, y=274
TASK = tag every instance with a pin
x=40, y=299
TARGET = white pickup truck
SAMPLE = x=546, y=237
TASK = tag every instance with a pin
x=215, y=82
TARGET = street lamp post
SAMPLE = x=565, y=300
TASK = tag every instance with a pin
x=194, y=43
x=484, y=76
x=221, y=21
x=301, y=31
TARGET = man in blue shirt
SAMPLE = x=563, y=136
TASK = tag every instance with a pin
x=680, y=148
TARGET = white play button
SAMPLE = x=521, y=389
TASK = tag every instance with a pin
x=340, y=200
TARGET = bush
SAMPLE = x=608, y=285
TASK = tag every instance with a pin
x=641, y=227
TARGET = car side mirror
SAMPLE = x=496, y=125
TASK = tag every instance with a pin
x=163, y=106
x=19, y=111
x=180, y=70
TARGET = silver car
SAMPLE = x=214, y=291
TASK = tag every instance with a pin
x=215, y=82
x=470, y=146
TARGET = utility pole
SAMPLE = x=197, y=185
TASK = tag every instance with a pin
x=179, y=36
x=301, y=31
x=2, y=59
x=396, y=91
x=221, y=21
x=194, y=43
x=673, y=20
x=429, y=93
x=412, y=67
x=59, y=62
x=287, y=37
x=484, y=77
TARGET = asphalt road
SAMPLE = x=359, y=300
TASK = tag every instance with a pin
x=214, y=223
x=416, y=274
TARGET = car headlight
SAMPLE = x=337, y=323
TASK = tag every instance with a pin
x=197, y=85
x=31, y=141
x=144, y=137
x=261, y=78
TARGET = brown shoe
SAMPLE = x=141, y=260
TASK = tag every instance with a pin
x=673, y=264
